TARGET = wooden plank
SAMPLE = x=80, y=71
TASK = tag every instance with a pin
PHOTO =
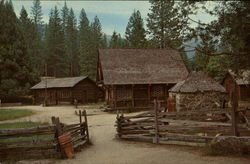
x=183, y=143
x=234, y=111
x=27, y=142
x=156, y=127
x=86, y=122
x=27, y=130
x=80, y=144
x=71, y=126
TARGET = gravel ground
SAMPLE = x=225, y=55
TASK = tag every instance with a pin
x=108, y=150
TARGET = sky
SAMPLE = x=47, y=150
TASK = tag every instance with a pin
x=113, y=15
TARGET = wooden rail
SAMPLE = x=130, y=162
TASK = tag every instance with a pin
x=188, y=126
x=42, y=141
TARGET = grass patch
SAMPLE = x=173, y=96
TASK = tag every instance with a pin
x=10, y=114
x=14, y=125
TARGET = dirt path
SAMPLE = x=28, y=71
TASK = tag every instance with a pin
x=108, y=150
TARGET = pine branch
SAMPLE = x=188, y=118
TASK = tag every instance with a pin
x=203, y=24
x=216, y=54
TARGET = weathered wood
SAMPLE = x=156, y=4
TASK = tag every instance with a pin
x=27, y=148
x=27, y=130
x=156, y=127
x=234, y=112
x=183, y=143
x=28, y=134
x=27, y=142
x=80, y=144
x=86, y=122
x=71, y=126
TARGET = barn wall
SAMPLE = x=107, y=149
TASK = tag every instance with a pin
x=229, y=85
x=136, y=96
x=245, y=92
x=86, y=91
x=39, y=96
x=198, y=101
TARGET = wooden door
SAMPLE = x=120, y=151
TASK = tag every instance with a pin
x=84, y=97
x=171, y=103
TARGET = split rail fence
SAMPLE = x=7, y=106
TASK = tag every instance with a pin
x=194, y=128
x=42, y=141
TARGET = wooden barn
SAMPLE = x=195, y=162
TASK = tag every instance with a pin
x=133, y=78
x=66, y=90
x=198, y=92
x=241, y=82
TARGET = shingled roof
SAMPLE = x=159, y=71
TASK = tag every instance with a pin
x=141, y=66
x=59, y=82
x=197, y=82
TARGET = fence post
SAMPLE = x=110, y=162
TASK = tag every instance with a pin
x=58, y=132
x=86, y=124
x=81, y=124
x=118, y=120
x=156, y=106
x=235, y=111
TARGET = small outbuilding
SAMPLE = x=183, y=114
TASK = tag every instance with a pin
x=66, y=90
x=197, y=92
x=241, y=82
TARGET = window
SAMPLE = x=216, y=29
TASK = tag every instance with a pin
x=63, y=94
x=157, y=91
x=124, y=93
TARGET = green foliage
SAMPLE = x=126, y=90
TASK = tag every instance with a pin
x=85, y=41
x=36, y=12
x=55, y=59
x=229, y=33
x=117, y=41
x=10, y=114
x=71, y=42
x=91, y=39
x=168, y=23
x=15, y=74
x=135, y=32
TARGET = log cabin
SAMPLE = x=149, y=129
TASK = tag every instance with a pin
x=53, y=91
x=241, y=82
x=133, y=78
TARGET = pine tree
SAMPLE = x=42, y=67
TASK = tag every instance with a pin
x=27, y=27
x=36, y=12
x=96, y=29
x=84, y=41
x=114, y=40
x=65, y=13
x=117, y=41
x=135, y=32
x=37, y=48
x=56, y=63
x=104, y=42
x=14, y=71
x=95, y=43
x=72, y=51
x=167, y=23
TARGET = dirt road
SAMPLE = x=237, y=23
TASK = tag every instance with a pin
x=108, y=150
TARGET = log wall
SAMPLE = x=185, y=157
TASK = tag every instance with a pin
x=85, y=91
x=135, y=97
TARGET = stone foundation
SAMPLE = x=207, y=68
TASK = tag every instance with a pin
x=198, y=101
